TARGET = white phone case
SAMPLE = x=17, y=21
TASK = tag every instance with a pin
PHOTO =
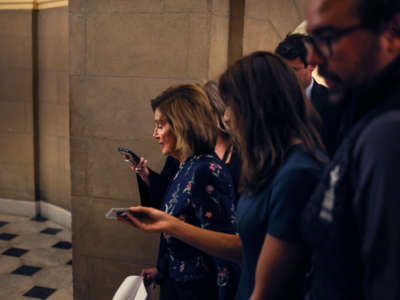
x=113, y=212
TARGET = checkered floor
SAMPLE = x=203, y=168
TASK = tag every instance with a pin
x=35, y=259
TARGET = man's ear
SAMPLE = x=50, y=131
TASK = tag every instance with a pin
x=392, y=35
x=311, y=67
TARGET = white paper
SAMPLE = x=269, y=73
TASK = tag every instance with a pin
x=132, y=288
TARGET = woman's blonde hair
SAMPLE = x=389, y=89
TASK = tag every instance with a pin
x=188, y=111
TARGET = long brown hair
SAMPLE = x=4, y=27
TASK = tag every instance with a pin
x=269, y=111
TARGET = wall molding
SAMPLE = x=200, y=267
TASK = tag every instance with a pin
x=18, y=207
x=31, y=4
x=301, y=28
x=31, y=209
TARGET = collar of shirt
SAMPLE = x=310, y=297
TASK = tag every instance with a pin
x=309, y=89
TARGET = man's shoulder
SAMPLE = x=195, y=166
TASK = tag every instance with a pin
x=381, y=135
x=319, y=88
x=320, y=96
x=388, y=121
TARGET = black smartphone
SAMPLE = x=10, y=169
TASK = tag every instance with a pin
x=137, y=215
x=128, y=154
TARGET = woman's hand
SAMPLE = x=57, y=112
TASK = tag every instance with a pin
x=219, y=244
x=141, y=169
x=150, y=275
x=148, y=219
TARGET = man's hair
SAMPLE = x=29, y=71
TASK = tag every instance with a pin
x=269, y=110
x=293, y=47
x=188, y=111
x=376, y=13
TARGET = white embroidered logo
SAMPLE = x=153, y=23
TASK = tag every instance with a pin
x=329, y=198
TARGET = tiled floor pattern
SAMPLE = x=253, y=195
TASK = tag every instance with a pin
x=35, y=259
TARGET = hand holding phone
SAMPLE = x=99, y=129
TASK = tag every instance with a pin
x=138, y=166
x=129, y=155
x=114, y=213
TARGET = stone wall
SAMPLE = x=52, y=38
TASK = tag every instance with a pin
x=266, y=23
x=34, y=112
x=17, y=176
x=52, y=81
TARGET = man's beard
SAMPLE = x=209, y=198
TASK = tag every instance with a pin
x=366, y=69
x=337, y=92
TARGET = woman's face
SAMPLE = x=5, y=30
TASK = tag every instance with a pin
x=164, y=135
x=228, y=116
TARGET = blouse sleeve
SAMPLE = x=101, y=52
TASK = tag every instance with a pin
x=212, y=199
x=288, y=199
x=154, y=196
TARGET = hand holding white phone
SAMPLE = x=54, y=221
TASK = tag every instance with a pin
x=113, y=213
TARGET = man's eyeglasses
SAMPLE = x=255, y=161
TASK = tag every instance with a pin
x=322, y=42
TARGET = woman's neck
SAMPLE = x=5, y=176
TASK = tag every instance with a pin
x=221, y=147
x=178, y=156
x=296, y=141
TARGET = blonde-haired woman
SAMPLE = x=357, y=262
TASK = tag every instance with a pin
x=201, y=194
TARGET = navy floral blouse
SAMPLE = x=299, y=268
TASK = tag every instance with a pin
x=201, y=194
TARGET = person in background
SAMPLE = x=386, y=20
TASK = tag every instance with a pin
x=225, y=146
x=294, y=51
x=352, y=222
x=201, y=193
x=282, y=163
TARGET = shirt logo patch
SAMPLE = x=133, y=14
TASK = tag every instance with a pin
x=328, y=202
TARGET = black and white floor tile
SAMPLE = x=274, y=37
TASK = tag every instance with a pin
x=35, y=259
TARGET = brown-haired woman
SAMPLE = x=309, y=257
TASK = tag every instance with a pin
x=282, y=163
x=280, y=150
x=201, y=194
x=225, y=147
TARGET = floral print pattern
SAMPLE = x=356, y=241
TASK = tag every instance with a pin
x=202, y=194
x=223, y=277
x=209, y=189
x=208, y=215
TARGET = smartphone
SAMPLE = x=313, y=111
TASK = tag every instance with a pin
x=113, y=213
x=128, y=154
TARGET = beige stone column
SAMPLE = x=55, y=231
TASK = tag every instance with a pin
x=123, y=53
x=268, y=22
x=34, y=109
x=52, y=93
x=265, y=23
x=17, y=177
